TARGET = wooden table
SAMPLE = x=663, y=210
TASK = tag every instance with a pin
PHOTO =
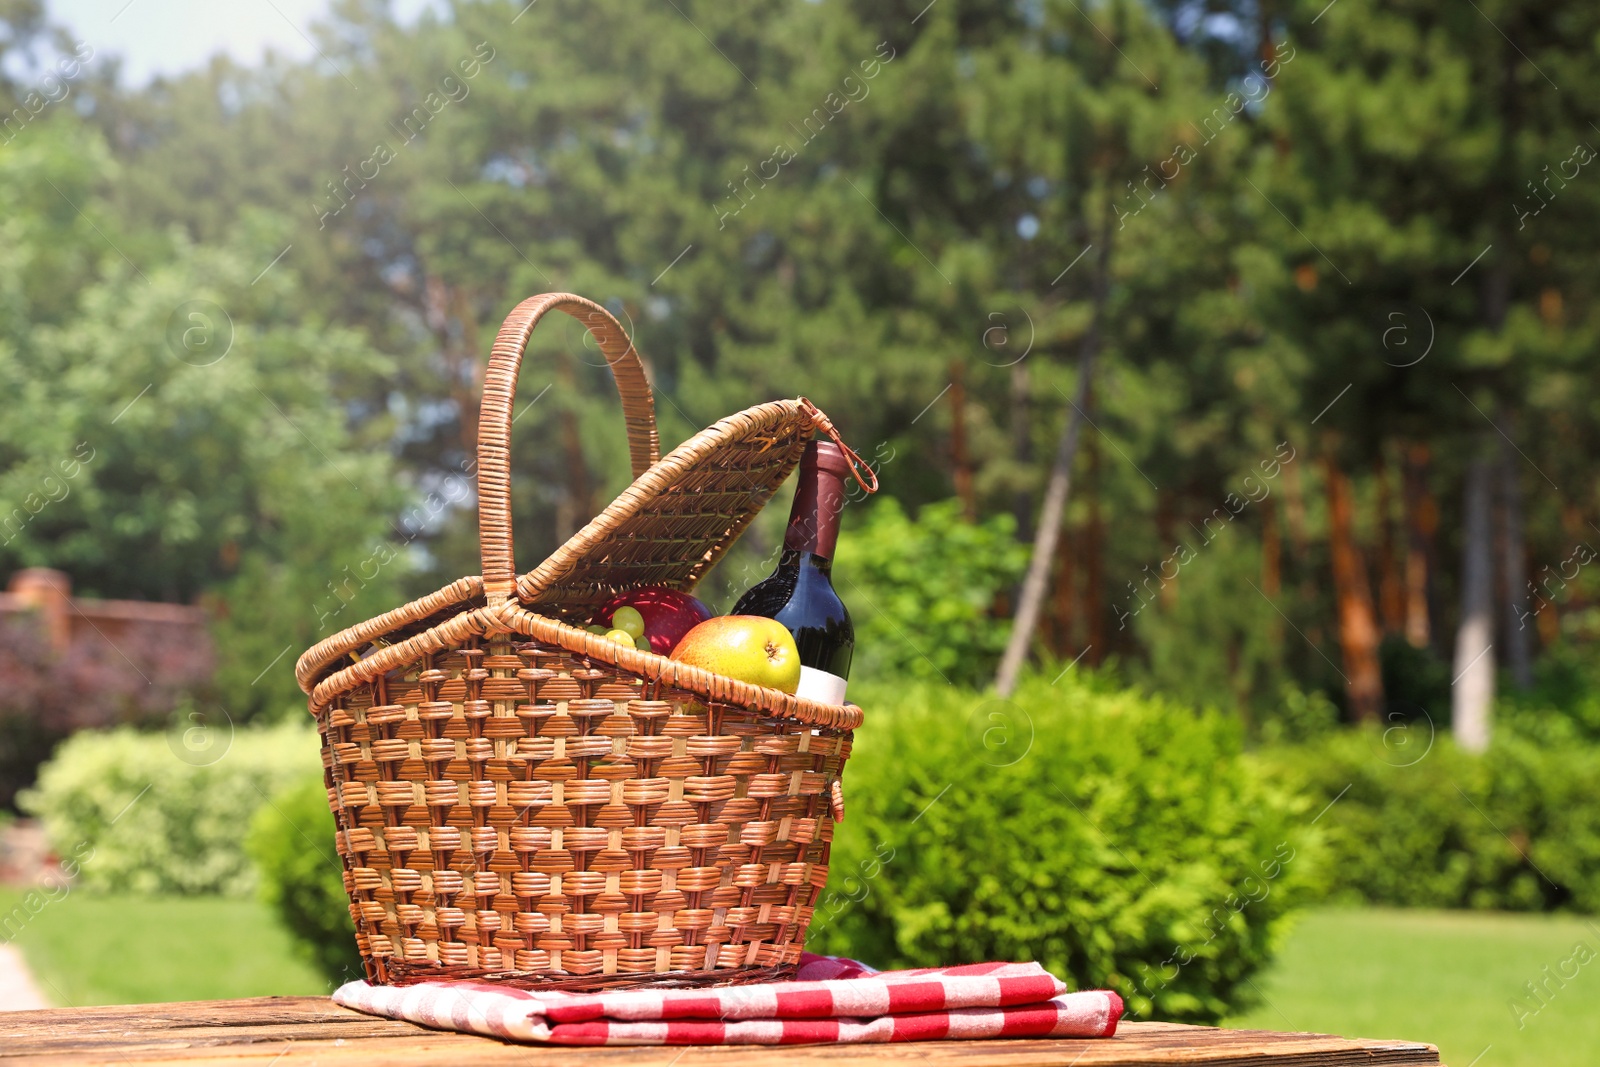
x=289, y=1031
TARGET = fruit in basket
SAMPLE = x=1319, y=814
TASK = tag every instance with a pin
x=664, y=614
x=628, y=619
x=748, y=648
x=621, y=637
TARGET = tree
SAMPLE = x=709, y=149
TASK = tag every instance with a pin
x=850, y=200
x=185, y=439
x=1473, y=689
x=1412, y=223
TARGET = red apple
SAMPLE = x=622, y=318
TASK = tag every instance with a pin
x=750, y=648
x=668, y=614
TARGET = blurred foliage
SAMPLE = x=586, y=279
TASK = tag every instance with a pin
x=1288, y=199
x=1118, y=839
x=1410, y=820
x=926, y=592
x=1563, y=707
x=197, y=407
x=1301, y=715
x=166, y=813
x=291, y=842
x=1240, y=661
x=1416, y=682
x=1363, y=234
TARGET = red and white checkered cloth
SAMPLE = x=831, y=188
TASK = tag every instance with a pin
x=830, y=1000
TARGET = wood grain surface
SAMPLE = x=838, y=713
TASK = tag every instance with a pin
x=293, y=1031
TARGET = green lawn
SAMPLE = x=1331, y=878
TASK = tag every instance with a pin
x=1445, y=977
x=86, y=949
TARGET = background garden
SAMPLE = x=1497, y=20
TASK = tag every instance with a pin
x=1307, y=734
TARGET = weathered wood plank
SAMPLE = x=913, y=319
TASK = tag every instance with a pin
x=295, y=1031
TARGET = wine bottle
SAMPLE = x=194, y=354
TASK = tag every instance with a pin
x=800, y=592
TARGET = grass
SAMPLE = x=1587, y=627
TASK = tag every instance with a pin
x=1449, y=978
x=86, y=949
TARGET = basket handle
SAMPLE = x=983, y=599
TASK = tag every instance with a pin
x=494, y=421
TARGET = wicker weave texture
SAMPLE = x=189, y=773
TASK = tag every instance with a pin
x=517, y=809
x=519, y=800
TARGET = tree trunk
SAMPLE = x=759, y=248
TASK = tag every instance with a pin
x=1422, y=520
x=1547, y=619
x=1473, y=693
x=1062, y=619
x=960, y=461
x=1094, y=556
x=1056, y=490
x=1391, y=594
x=1358, y=630
x=1022, y=446
x=447, y=310
x=1572, y=521
x=1271, y=549
x=1164, y=524
x=1295, y=507
x=575, y=507
x=1514, y=567
x=1272, y=565
x=579, y=509
x=470, y=366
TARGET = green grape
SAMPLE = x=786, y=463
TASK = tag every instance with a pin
x=628, y=620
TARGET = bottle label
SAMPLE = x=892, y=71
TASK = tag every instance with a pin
x=820, y=686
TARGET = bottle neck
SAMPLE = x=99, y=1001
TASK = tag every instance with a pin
x=799, y=559
x=819, y=499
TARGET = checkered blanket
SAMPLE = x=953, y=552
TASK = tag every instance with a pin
x=830, y=1000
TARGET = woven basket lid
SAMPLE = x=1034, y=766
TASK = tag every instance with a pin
x=668, y=528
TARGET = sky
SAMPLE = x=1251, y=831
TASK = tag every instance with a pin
x=171, y=36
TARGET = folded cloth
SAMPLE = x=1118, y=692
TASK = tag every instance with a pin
x=830, y=1000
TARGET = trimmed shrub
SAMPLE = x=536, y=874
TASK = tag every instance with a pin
x=1119, y=839
x=166, y=813
x=1416, y=822
x=292, y=843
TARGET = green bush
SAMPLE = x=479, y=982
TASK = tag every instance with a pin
x=1118, y=839
x=1416, y=822
x=1416, y=682
x=166, y=813
x=922, y=592
x=1563, y=707
x=292, y=843
x=1210, y=644
x=1300, y=715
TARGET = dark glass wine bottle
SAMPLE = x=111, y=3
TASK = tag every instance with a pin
x=800, y=592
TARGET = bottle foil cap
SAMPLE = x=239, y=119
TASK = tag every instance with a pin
x=826, y=456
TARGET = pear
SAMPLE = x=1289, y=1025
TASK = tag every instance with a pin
x=747, y=648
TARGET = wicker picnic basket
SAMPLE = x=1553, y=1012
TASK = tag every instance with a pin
x=519, y=800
